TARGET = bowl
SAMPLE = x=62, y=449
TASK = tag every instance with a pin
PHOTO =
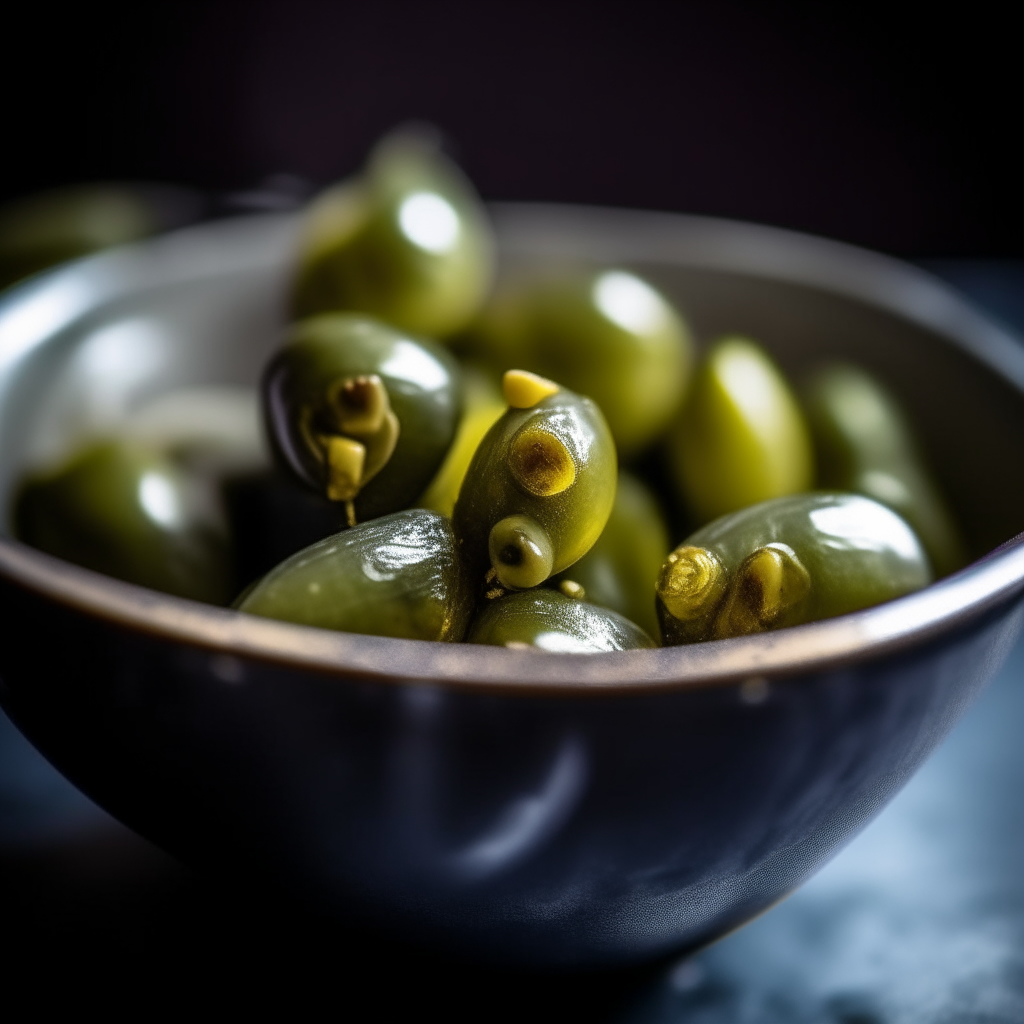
x=551, y=809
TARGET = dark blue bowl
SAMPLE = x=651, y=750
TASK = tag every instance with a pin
x=517, y=805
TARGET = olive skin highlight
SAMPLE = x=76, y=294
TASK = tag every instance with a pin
x=546, y=620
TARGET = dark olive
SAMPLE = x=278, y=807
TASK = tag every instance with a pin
x=399, y=575
x=360, y=412
x=540, y=487
x=129, y=512
x=550, y=621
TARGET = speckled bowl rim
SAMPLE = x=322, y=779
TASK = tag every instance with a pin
x=38, y=309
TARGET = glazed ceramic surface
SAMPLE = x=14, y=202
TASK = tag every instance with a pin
x=531, y=807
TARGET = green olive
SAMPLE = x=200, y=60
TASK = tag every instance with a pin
x=619, y=571
x=787, y=561
x=863, y=444
x=540, y=487
x=607, y=334
x=399, y=575
x=41, y=230
x=549, y=621
x=129, y=512
x=484, y=404
x=361, y=412
x=741, y=438
x=408, y=242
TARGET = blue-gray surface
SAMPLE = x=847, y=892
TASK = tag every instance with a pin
x=920, y=919
x=37, y=805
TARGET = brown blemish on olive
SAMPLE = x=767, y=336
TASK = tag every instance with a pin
x=540, y=463
x=769, y=582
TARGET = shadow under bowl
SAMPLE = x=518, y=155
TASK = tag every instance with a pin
x=521, y=806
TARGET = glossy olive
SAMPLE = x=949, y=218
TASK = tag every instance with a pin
x=408, y=241
x=741, y=438
x=344, y=383
x=483, y=404
x=398, y=575
x=863, y=443
x=549, y=621
x=607, y=334
x=620, y=570
x=129, y=512
x=540, y=487
x=791, y=560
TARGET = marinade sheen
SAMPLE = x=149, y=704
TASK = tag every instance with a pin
x=549, y=621
x=398, y=575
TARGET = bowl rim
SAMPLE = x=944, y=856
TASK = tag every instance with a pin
x=37, y=309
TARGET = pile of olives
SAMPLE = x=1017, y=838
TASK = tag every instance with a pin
x=447, y=437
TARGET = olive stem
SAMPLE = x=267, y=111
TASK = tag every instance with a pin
x=367, y=433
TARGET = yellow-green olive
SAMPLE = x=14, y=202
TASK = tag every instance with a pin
x=620, y=570
x=741, y=438
x=540, y=487
x=407, y=242
x=607, y=334
x=483, y=405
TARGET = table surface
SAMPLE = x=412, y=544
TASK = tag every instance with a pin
x=920, y=919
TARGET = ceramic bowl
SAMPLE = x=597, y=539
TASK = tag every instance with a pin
x=542, y=808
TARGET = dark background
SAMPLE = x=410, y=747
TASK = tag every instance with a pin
x=843, y=122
